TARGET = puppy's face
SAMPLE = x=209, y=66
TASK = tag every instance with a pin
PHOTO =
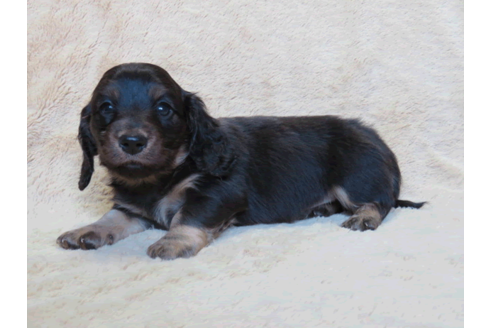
x=143, y=125
x=137, y=121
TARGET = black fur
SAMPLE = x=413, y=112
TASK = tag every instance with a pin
x=88, y=148
x=247, y=170
x=406, y=203
x=209, y=145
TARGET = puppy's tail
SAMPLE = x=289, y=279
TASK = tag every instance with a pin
x=407, y=203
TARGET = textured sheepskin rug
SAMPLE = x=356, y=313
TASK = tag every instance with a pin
x=397, y=65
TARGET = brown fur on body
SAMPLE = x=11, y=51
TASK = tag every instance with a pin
x=175, y=167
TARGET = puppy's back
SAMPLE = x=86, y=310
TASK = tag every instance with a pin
x=293, y=162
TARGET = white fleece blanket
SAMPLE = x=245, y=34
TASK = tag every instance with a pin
x=397, y=65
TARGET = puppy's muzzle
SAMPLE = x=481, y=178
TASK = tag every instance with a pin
x=132, y=144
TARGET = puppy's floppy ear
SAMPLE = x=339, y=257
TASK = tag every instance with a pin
x=210, y=146
x=89, y=147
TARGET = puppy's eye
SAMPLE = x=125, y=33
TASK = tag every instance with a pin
x=106, y=107
x=164, y=109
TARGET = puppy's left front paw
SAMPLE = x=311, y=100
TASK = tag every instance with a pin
x=180, y=241
x=170, y=249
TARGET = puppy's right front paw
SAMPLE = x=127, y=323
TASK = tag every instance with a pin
x=85, y=238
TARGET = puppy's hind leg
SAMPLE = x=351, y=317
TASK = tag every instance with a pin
x=326, y=209
x=367, y=213
x=366, y=217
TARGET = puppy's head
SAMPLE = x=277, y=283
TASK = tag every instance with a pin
x=143, y=125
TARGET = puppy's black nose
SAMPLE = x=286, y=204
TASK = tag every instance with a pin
x=132, y=144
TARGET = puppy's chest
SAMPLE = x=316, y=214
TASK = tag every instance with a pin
x=158, y=206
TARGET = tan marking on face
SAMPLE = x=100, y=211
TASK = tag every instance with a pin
x=135, y=132
x=134, y=125
x=157, y=91
x=155, y=153
x=112, y=91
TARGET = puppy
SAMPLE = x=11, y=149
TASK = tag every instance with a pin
x=174, y=167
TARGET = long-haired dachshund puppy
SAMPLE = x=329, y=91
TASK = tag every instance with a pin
x=174, y=167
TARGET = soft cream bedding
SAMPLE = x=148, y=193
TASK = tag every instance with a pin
x=398, y=65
